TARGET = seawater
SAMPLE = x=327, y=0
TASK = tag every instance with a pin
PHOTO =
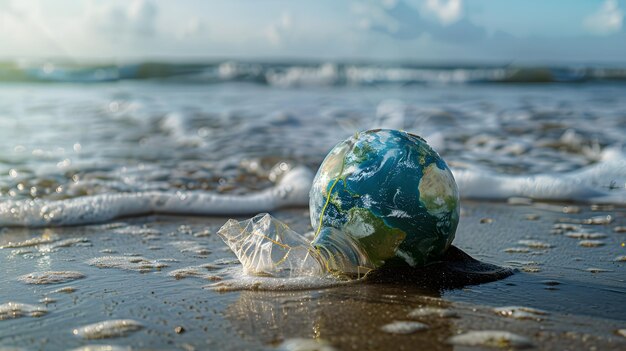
x=180, y=133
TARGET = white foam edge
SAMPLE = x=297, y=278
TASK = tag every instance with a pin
x=587, y=185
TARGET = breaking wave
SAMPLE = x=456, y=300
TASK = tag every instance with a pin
x=305, y=74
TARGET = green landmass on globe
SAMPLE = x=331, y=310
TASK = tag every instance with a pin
x=389, y=191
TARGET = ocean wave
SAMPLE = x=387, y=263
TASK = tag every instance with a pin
x=603, y=182
x=304, y=74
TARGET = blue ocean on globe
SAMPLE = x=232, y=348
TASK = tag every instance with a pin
x=389, y=191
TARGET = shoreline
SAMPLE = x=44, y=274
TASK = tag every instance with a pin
x=584, y=308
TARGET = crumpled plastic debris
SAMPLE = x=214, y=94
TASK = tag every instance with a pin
x=266, y=246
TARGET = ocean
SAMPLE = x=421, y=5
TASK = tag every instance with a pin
x=122, y=147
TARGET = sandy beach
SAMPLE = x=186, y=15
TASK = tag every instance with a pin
x=565, y=294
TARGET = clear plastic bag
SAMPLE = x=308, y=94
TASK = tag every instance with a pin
x=266, y=246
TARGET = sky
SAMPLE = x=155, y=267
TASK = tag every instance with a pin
x=511, y=31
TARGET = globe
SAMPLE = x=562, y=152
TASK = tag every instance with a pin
x=390, y=192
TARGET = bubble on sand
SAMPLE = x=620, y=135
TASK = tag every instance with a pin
x=12, y=310
x=568, y=227
x=591, y=243
x=103, y=348
x=130, y=263
x=55, y=245
x=225, y=261
x=234, y=279
x=21, y=252
x=585, y=235
x=47, y=300
x=521, y=312
x=534, y=244
x=194, y=271
x=557, y=208
x=598, y=220
x=202, y=234
x=517, y=250
x=526, y=266
x=301, y=344
x=64, y=290
x=30, y=242
x=602, y=207
x=491, y=338
x=50, y=277
x=597, y=270
x=136, y=230
x=191, y=247
x=108, y=329
x=531, y=269
x=432, y=311
x=403, y=327
x=112, y=225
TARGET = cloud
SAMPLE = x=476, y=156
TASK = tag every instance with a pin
x=194, y=27
x=277, y=32
x=404, y=22
x=447, y=11
x=137, y=19
x=607, y=19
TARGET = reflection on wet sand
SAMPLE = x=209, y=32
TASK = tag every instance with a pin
x=349, y=318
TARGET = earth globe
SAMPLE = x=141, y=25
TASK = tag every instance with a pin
x=389, y=193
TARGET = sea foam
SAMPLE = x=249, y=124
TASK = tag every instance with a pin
x=602, y=182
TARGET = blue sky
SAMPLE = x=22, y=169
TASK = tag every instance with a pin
x=533, y=31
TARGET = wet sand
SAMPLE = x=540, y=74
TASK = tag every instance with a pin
x=575, y=294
